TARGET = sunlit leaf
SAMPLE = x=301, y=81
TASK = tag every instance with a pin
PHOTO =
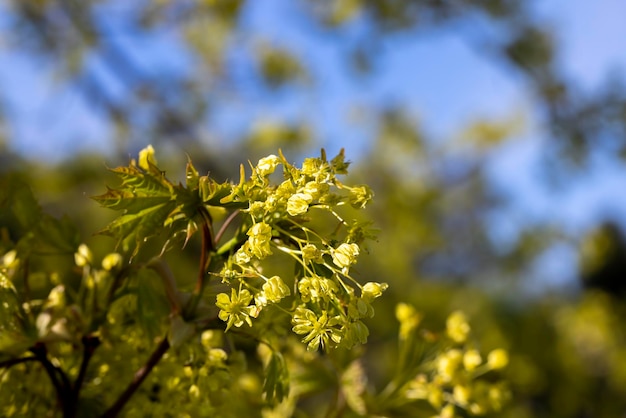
x=191, y=176
x=133, y=229
x=147, y=199
x=213, y=192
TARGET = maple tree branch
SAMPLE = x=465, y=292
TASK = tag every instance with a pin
x=90, y=343
x=63, y=386
x=138, y=378
x=15, y=361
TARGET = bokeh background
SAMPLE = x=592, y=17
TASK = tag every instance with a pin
x=492, y=133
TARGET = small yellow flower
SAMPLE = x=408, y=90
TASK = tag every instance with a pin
x=345, y=255
x=448, y=364
x=299, y=203
x=234, y=310
x=497, y=359
x=194, y=391
x=457, y=327
x=260, y=235
x=471, y=360
x=311, y=253
x=82, y=256
x=112, y=261
x=320, y=330
x=315, y=189
x=10, y=260
x=447, y=412
x=409, y=319
x=274, y=289
x=267, y=165
x=372, y=290
x=146, y=158
x=435, y=396
x=360, y=196
x=461, y=394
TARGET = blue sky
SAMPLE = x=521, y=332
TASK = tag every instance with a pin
x=438, y=77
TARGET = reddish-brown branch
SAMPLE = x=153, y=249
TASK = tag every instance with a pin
x=139, y=377
x=225, y=225
x=207, y=245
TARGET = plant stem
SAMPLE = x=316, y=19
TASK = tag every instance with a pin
x=15, y=361
x=63, y=386
x=139, y=377
x=208, y=249
x=225, y=225
x=169, y=283
x=207, y=244
x=90, y=343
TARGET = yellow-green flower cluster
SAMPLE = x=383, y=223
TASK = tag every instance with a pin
x=452, y=380
x=327, y=304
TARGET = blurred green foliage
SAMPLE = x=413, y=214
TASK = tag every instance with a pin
x=74, y=324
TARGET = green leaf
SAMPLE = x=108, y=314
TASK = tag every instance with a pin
x=151, y=182
x=180, y=331
x=213, y=192
x=191, y=175
x=276, y=384
x=130, y=201
x=14, y=339
x=139, y=189
x=147, y=199
x=27, y=224
x=58, y=235
x=152, y=304
x=133, y=229
x=19, y=209
x=339, y=163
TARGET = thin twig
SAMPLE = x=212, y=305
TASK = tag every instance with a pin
x=139, y=377
x=15, y=361
x=90, y=343
x=207, y=243
x=207, y=236
x=225, y=225
x=62, y=387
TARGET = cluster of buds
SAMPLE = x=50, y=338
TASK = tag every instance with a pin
x=452, y=380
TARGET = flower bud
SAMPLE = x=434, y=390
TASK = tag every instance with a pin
x=298, y=203
x=360, y=196
x=471, y=360
x=10, y=260
x=457, y=327
x=372, y=290
x=82, y=256
x=267, y=165
x=497, y=359
x=345, y=255
x=112, y=261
